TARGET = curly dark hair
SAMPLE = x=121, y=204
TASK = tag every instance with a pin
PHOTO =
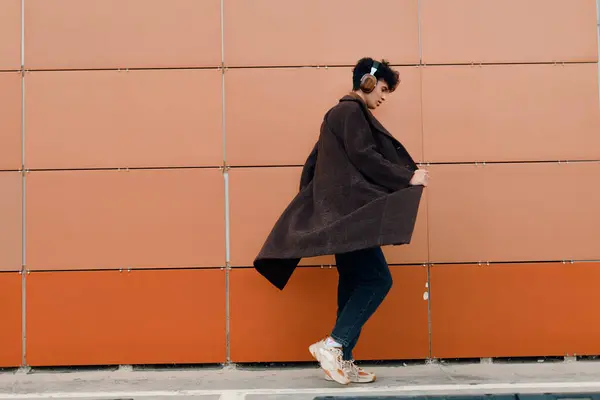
x=384, y=72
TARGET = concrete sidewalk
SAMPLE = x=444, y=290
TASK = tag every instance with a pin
x=301, y=383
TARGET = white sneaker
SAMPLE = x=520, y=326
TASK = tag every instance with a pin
x=330, y=359
x=356, y=374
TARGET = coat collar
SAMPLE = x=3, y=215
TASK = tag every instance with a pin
x=370, y=117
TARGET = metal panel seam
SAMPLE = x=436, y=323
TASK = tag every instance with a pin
x=227, y=270
x=23, y=272
x=223, y=130
x=420, y=37
x=226, y=188
x=23, y=200
x=598, y=42
x=429, y=311
x=22, y=34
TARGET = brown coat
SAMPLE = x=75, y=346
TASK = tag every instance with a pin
x=354, y=194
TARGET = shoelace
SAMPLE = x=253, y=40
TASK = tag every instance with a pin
x=349, y=367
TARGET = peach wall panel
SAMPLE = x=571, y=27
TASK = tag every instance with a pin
x=474, y=31
x=258, y=196
x=511, y=113
x=514, y=212
x=125, y=219
x=100, y=119
x=10, y=120
x=10, y=315
x=269, y=325
x=10, y=35
x=11, y=221
x=73, y=34
x=314, y=32
x=262, y=116
x=516, y=310
x=137, y=317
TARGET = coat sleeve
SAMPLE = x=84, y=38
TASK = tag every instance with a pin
x=308, y=171
x=362, y=150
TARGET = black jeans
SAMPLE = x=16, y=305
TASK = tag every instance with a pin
x=364, y=281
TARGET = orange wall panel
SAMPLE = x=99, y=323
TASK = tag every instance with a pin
x=261, y=116
x=10, y=120
x=11, y=221
x=508, y=113
x=10, y=315
x=95, y=119
x=466, y=31
x=258, y=196
x=73, y=34
x=137, y=317
x=10, y=35
x=272, y=325
x=121, y=219
x=514, y=310
x=315, y=32
x=514, y=212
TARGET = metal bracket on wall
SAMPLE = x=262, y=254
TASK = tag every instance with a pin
x=326, y=266
x=224, y=167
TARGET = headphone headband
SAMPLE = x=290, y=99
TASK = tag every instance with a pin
x=374, y=67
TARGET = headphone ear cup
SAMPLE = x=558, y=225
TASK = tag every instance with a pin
x=368, y=83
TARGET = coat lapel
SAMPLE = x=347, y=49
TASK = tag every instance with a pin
x=377, y=125
x=370, y=117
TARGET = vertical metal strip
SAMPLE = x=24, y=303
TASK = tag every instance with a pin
x=222, y=31
x=223, y=130
x=23, y=317
x=226, y=184
x=224, y=135
x=23, y=229
x=23, y=266
x=227, y=271
x=598, y=36
x=428, y=263
x=420, y=32
x=23, y=84
x=23, y=200
x=429, y=277
x=227, y=231
x=23, y=274
x=22, y=34
x=429, y=311
x=227, y=322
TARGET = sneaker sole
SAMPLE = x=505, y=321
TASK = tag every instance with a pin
x=331, y=374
